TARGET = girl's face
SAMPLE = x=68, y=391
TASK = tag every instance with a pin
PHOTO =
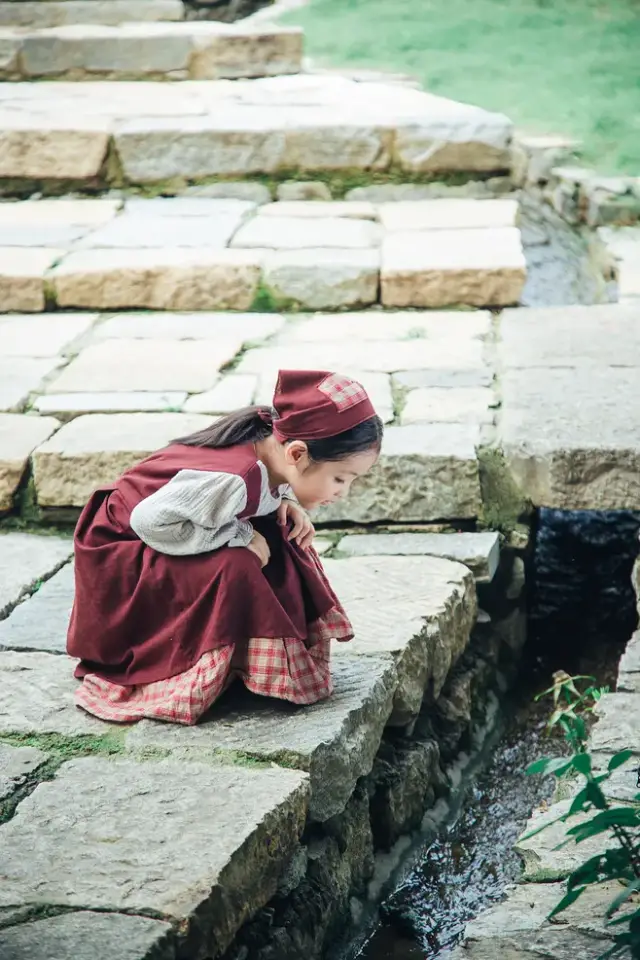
x=318, y=484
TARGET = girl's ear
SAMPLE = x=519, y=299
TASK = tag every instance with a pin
x=296, y=453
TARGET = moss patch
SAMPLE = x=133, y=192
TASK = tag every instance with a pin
x=503, y=503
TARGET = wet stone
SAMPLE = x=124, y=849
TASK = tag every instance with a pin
x=478, y=551
x=41, y=621
x=335, y=740
x=25, y=560
x=138, y=838
x=91, y=936
x=19, y=436
x=423, y=614
x=16, y=763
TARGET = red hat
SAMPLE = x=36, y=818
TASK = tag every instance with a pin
x=315, y=404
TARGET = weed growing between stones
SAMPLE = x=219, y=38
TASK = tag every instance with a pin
x=618, y=822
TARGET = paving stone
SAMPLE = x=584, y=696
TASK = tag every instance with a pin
x=245, y=50
x=16, y=763
x=425, y=473
x=10, y=46
x=478, y=551
x=373, y=325
x=180, y=207
x=59, y=238
x=618, y=724
x=41, y=621
x=455, y=214
x=19, y=436
x=232, y=393
x=445, y=267
x=22, y=272
x=26, y=559
x=65, y=405
x=92, y=936
x=168, y=279
x=58, y=213
x=294, y=191
x=629, y=667
x=143, y=232
x=375, y=356
x=94, y=450
x=298, y=233
x=568, y=441
x=624, y=244
x=36, y=696
x=190, y=326
x=156, y=365
x=45, y=335
x=136, y=838
x=450, y=379
x=20, y=376
x=57, y=13
x=50, y=146
x=335, y=741
x=317, y=211
x=252, y=192
x=322, y=279
x=449, y=405
x=423, y=614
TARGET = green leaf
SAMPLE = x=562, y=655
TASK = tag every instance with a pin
x=615, y=904
x=596, y=796
x=582, y=763
x=547, y=765
x=549, y=823
x=615, y=817
x=619, y=759
x=567, y=900
x=580, y=802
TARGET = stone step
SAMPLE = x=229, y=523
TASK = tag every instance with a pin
x=35, y=14
x=198, y=254
x=199, y=131
x=148, y=50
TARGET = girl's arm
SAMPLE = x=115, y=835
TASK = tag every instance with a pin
x=195, y=512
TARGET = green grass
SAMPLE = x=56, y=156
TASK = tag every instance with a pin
x=553, y=66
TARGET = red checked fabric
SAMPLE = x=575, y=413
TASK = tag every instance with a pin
x=342, y=391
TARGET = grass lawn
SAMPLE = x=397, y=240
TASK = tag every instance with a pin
x=554, y=66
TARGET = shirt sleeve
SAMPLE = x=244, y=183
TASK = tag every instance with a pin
x=195, y=512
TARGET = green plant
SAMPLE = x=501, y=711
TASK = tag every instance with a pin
x=620, y=822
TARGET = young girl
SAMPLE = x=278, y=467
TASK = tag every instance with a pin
x=196, y=566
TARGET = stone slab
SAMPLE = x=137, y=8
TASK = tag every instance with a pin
x=122, y=366
x=191, y=206
x=448, y=405
x=60, y=238
x=167, y=279
x=22, y=376
x=189, y=326
x=423, y=614
x=16, y=763
x=374, y=356
x=313, y=209
x=66, y=405
x=25, y=561
x=145, y=232
x=58, y=13
x=245, y=50
x=95, y=449
x=624, y=244
x=232, y=393
x=92, y=936
x=335, y=740
x=46, y=145
x=57, y=213
x=19, y=436
x=387, y=325
x=456, y=379
x=455, y=214
x=322, y=279
x=569, y=441
x=22, y=275
x=618, y=724
x=139, y=839
x=44, y=335
x=36, y=696
x=303, y=190
x=425, y=473
x=300, y=233
x=478, y=551
x=629, y=667
x=41, y=621
x=483, y=267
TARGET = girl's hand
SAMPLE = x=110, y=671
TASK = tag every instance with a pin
x=302, y=531
x=260, y=547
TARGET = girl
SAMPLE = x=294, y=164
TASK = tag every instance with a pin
x=196, y=566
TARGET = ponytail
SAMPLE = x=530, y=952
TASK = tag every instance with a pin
x=237, y=428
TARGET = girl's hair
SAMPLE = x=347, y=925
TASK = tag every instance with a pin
x=247, y=426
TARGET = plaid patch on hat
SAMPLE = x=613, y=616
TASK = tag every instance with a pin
x=342, y=391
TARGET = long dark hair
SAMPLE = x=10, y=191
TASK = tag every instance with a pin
x=253, y=423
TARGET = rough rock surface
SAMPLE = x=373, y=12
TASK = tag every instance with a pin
x=478, y=551
x=19, y=436
x=92, y=936
x=16, y=763
x=25, y=561
x=40, y=623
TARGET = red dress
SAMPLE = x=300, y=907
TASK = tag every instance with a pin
x=162, y=630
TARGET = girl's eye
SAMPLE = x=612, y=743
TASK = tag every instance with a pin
x=338, y=480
